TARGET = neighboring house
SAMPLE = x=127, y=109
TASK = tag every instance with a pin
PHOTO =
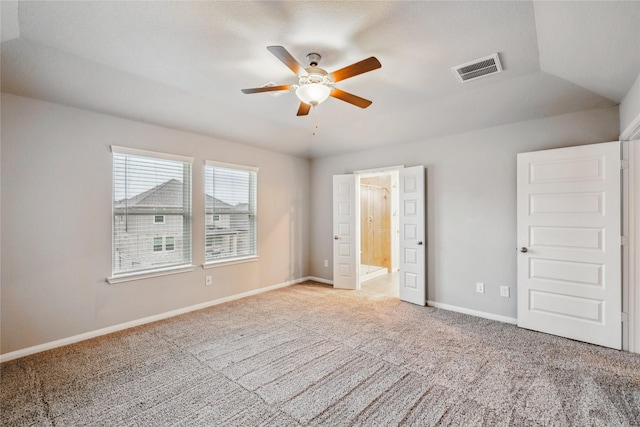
x=227, y=230
x=149, y=228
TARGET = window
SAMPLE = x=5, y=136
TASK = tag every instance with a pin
x=157, y=244
x=151, y=198
x=231, y=211
x=169, y=245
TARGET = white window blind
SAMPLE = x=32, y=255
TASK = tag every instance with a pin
x=230, y=211
x=151, y=211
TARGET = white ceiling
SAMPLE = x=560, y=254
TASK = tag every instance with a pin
x=182, y=64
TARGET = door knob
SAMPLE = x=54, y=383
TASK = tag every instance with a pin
x=523, y=249
x=335, y=238
x=420, y=243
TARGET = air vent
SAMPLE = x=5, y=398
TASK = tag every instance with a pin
x=478, y=68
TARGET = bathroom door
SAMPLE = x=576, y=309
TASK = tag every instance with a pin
x=413, y=284
x=346, y=231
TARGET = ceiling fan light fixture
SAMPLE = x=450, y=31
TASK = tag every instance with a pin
x=313, y=93
x=315, y=85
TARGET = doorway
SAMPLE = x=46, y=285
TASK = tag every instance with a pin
x=410, y=233
x=379, y=232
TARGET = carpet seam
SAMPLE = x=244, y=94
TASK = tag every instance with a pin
x=357, y=386
x=374, y=401
x=415, y=405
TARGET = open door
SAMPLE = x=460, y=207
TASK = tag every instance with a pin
x=413, y=283
x=569, y=260
x=346, y=231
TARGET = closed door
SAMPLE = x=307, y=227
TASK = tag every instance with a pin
x=569, y=260
x=346, y=231
x=412, y=235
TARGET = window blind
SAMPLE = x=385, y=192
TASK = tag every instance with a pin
x=230, y=211
x=151, y=211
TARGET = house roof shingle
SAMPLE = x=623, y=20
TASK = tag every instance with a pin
x=166, y=195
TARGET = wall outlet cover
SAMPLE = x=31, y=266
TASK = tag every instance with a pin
x=480, y=287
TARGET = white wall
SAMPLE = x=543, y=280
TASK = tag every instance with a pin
x=56, y=223
x=630, y=106
x=471, y=201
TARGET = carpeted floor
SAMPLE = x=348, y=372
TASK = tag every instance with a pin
x=312, y=355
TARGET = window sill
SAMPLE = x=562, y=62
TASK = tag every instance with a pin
x=149, y=273
x=222, y=263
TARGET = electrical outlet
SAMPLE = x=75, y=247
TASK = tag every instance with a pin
x=504, y=291
x=480, y=287
x=208, y=281
x=326, y=263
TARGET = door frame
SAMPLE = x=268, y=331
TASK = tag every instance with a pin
x=630, y=138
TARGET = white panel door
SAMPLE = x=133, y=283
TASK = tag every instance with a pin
x=569, y=260
x=412, y=235
x=346, y=231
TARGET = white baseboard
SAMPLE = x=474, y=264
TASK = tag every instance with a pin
x=122, y=326
x=471, y=312
x=319, y=279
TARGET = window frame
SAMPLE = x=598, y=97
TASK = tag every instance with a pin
x=253, y=213
x=166, y=243
x=187, y=263
x=157, y=247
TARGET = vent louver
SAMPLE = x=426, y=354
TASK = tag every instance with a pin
x=478, y=68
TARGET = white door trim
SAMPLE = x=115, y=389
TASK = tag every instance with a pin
x=378, y=170
x=632, y=249
x=631, y=136
x=632, y=131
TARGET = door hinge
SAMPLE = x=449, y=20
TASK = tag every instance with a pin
x=624, y=164
x=624, y=241
x=624, y=317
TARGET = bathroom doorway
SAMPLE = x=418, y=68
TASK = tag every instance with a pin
x=379, y=232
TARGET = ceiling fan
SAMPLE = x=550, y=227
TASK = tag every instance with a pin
x=315, y=85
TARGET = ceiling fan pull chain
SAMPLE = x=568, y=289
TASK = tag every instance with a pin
x=315, y=116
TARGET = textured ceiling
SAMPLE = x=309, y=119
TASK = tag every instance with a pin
x=182, y=64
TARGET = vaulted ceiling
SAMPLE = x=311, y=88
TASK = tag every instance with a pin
x=182, y=64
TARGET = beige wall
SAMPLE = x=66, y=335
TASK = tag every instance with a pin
x=471, y=201
x=56, y=223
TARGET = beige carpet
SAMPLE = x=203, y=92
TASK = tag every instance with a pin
x=311, y=355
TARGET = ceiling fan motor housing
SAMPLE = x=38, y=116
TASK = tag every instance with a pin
x=314, y=59
x=315, y=75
